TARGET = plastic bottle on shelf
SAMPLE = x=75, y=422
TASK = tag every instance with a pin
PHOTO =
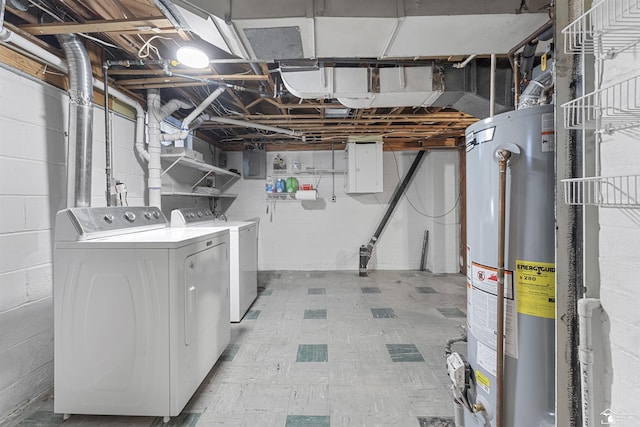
x=269, y=185
x=280, y=186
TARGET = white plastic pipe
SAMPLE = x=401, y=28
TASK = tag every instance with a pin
x=586, y=309
x=200, y=108
x=157, y=114
x=465, y=62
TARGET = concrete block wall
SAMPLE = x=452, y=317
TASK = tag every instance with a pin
x=322, y=235
x=33, y=122
x=619, y=261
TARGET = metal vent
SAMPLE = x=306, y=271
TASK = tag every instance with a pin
x=275, y=43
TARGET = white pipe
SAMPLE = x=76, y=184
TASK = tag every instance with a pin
x=157, y=114
x=465, y=62
x=492, y=90
x=200, y=108
x=586, y=309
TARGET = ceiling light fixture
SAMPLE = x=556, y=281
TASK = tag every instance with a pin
x=192, y=57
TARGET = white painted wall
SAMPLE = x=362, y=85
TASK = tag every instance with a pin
x=619, y=260
x=33, y=121
x=322, y=235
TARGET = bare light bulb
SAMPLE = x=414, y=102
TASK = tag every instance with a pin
x=192, y=57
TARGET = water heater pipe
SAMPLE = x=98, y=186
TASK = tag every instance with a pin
x=503, y=158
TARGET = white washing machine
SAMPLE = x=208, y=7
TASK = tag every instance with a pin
x=243, y=254
x=141, y=311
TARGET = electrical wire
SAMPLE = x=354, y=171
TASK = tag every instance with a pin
x=455, y=205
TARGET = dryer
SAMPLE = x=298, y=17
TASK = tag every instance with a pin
x=243, y=254
x=141, y=311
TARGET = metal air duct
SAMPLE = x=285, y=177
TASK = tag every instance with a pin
x=80, y=121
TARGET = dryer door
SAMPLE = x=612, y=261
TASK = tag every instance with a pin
x=206, y=294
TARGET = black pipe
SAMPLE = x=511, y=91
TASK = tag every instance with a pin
x=365, y=251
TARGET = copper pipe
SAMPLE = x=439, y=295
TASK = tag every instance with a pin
x=503, y=158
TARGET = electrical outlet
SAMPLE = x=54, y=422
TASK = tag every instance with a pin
x=333, y=198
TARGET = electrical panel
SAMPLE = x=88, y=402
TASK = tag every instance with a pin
x=364, y=167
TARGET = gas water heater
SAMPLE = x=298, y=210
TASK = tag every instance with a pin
x=522, y=142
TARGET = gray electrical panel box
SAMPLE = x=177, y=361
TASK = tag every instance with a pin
x=364, y=167
x=254, y=164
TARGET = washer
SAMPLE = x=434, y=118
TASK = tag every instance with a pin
x=243, y=254
x=141, y=311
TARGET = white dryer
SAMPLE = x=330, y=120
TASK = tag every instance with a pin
x=141, y=311
x=243, y=254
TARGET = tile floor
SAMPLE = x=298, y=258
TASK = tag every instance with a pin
x=321, y=349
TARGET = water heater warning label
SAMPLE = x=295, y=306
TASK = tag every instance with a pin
x=482, y=308
x=482, y=381
x=536, y=288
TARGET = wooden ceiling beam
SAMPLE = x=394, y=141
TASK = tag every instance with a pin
x=98, y=26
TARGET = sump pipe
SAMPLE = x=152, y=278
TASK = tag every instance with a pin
x=80, y=119
x=503, y=158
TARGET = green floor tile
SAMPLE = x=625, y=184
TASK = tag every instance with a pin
x=185, y=419
x=425, y=290
x=371, y=290
x=315, y=314
x=308, y=421
x=451, y=312
x=265, y=293
x=383, y=313
x=312, y=353
x=317, y=291
x=436, y=422
x=404, y=353
x=252, y=314
x=230, y=352
x=42, y=419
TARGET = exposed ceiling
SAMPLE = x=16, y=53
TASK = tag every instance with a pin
x=146, y=31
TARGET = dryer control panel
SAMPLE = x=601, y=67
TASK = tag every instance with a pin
x=188, y=216
x=85, y=223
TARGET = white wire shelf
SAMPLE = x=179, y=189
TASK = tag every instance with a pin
x=617, y=107
x=610, y=191
x=608, y=28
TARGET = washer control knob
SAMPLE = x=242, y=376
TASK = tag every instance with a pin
x=200, y=214
x=147, y=215
x=130, y=216
x=109, y=218
x=156, y=214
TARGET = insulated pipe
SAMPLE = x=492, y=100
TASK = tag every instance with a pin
x=542, y=30
x=503, y=158
x=586, y=308
x=80, y=118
